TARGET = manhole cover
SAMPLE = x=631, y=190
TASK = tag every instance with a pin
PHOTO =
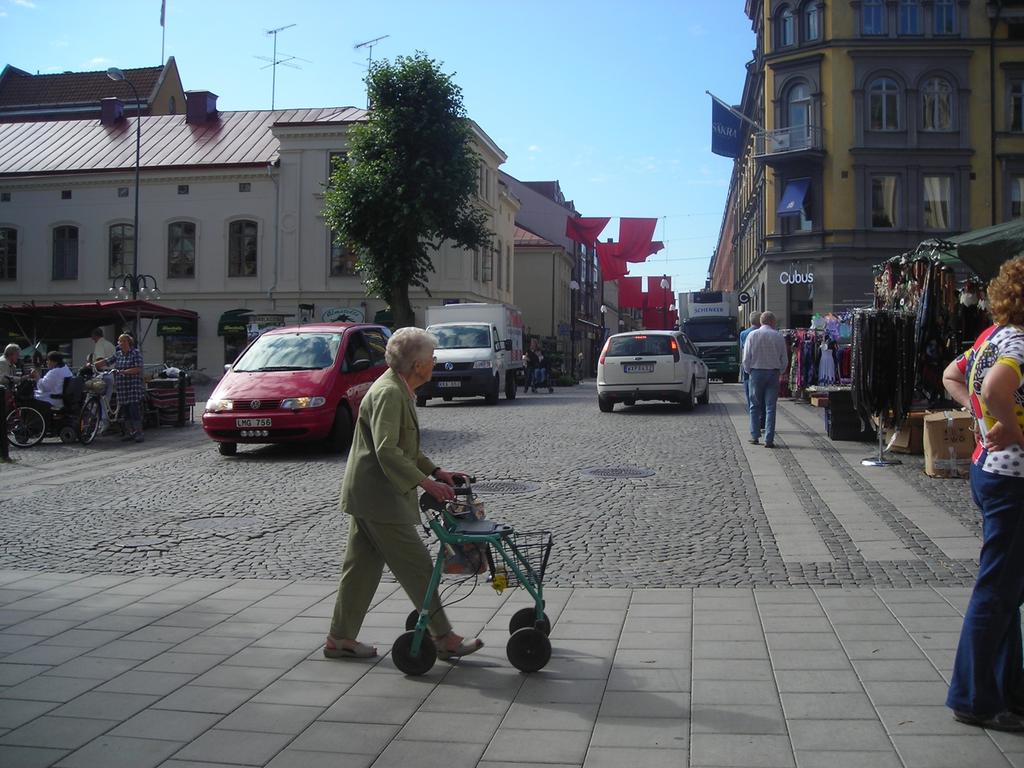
x=505, y=486
x=613, y=473
x=141, y=542
x=221, y=523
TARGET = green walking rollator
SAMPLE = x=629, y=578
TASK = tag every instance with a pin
x=523, y=558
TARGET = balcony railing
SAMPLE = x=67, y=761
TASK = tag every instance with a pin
x=798, y=138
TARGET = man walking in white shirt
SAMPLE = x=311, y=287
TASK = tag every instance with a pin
x=102, y=349
x=764, y=359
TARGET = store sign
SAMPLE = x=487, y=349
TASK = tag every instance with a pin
x=172, y=326
x=796, y=278
x=342, y=315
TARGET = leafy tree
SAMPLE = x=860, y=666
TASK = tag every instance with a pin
x=409, y=181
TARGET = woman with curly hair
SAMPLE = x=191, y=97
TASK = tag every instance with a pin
x=987, y=688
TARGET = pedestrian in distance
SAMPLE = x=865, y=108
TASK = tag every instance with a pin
x=129, y=385
x=987, y=685
x=755, y=323
x=101, y=349
x=10, y=368
x=385, y=466
x=764, y=359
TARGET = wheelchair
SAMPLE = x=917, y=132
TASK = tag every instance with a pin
x=28, y=423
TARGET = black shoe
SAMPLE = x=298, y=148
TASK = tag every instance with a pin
x=1003, y=721
x=753, y=441
x=768, y=444
x=128, y=438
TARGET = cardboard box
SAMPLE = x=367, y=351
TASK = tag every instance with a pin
x=910, y=436
x=948, y=443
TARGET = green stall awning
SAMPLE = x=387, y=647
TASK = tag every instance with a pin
x=234, y=322
x=982, y=250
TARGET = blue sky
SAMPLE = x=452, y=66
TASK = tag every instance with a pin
x=607, y=96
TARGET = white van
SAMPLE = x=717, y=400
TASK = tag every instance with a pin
x=479, y=352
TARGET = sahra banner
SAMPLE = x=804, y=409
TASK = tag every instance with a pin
x=725, y=131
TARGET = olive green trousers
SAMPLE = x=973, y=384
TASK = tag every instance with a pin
x=371, y=546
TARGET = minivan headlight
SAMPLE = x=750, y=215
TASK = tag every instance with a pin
x=483, y=364
x=216, y=406
x=298, y=403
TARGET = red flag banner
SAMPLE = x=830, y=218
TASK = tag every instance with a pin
x=655, y=319
x=658, y=296
x=636, y=236
x=631, y=293
x=612, y=267
x=585, y=230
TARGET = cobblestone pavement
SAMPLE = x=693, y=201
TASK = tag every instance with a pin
x=174, y=506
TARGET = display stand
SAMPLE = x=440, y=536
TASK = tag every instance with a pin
x=880, y=460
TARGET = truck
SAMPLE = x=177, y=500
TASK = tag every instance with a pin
x=479, y=352
x=710, y=319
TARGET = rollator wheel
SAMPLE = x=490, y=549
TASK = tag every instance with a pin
x=401, y=654
x=527, y=617
x=412, y=618
x=68, y=434
x=528, y=649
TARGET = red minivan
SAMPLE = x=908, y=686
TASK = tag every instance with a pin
x=297, y=384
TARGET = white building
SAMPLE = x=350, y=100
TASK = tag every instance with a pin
x=229, y=219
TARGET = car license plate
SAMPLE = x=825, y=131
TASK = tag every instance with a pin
x=241, y=423
x=648, y=368
x=449, y=383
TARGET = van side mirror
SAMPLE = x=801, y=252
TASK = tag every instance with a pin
x=498, y=346
x=359, y=365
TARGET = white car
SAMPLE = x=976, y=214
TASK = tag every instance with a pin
x=651, y=365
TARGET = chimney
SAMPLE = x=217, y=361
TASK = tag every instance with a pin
x=111, y=110
x=200, y=107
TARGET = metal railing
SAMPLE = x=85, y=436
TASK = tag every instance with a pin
x=798, y=138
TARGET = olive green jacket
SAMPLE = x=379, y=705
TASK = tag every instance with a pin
x=385, y=463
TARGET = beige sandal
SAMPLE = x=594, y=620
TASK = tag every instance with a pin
x=359, y=651
x=464, y=648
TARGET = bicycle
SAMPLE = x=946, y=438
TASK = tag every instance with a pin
x=100, y=409
x=25, y=426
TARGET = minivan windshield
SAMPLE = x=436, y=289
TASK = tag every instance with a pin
x=461, y=336
x=291, y=352
x=722, y=330
x=638, y=345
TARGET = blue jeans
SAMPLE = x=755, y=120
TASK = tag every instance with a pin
x=987, y=676
x=746, y=396
x=764, y=395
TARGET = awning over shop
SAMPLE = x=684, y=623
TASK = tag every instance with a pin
x=234, y=322
x=76, y=320
x=175, y=326
x=982, y=250
x=792, y=202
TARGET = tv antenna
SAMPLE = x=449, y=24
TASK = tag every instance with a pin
x=273, y=62
x=369, y=60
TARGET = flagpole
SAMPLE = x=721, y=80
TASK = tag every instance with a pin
x=163, y=29
x=740, y=115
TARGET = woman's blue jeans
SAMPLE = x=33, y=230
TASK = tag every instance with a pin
x=988, y=677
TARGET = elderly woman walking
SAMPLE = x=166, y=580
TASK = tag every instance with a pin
x=129, y=384
x=987, y=687
x=385, y=465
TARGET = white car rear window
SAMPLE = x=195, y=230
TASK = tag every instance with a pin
x=639, y=346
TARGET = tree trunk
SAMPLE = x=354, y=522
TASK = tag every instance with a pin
x=401, y=310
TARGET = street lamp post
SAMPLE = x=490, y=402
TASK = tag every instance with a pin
x=664, y=304
x=118, y=76
x=573, y=287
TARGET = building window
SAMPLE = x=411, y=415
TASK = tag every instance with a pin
x=508, y=267
x=883, y=105
x=1017, y=106
x=873, y=17
x=487, y=265
x=798, y=116
x=476, y=263
x=883, y=202
x=172, y=106
x=65, y=253
x=181, y=249
x=343, y=258
x=242, y=248
x=121, y=249
x=784, y=27
x=245, y=186
x=1016, y=196
x=501, y=265
x=65, y=194
x=937, y=202
x=8, y=253
x=122, y=191
x=812, y=21
x=910, y=17
x=944, y=16
x=936, y=105
x=5, y=197
x=183, y=189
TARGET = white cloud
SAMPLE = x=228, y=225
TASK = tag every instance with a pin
x=62, y=43
x=533, y=148
x=24, y=3
x=97, y=61
x=2, y=13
